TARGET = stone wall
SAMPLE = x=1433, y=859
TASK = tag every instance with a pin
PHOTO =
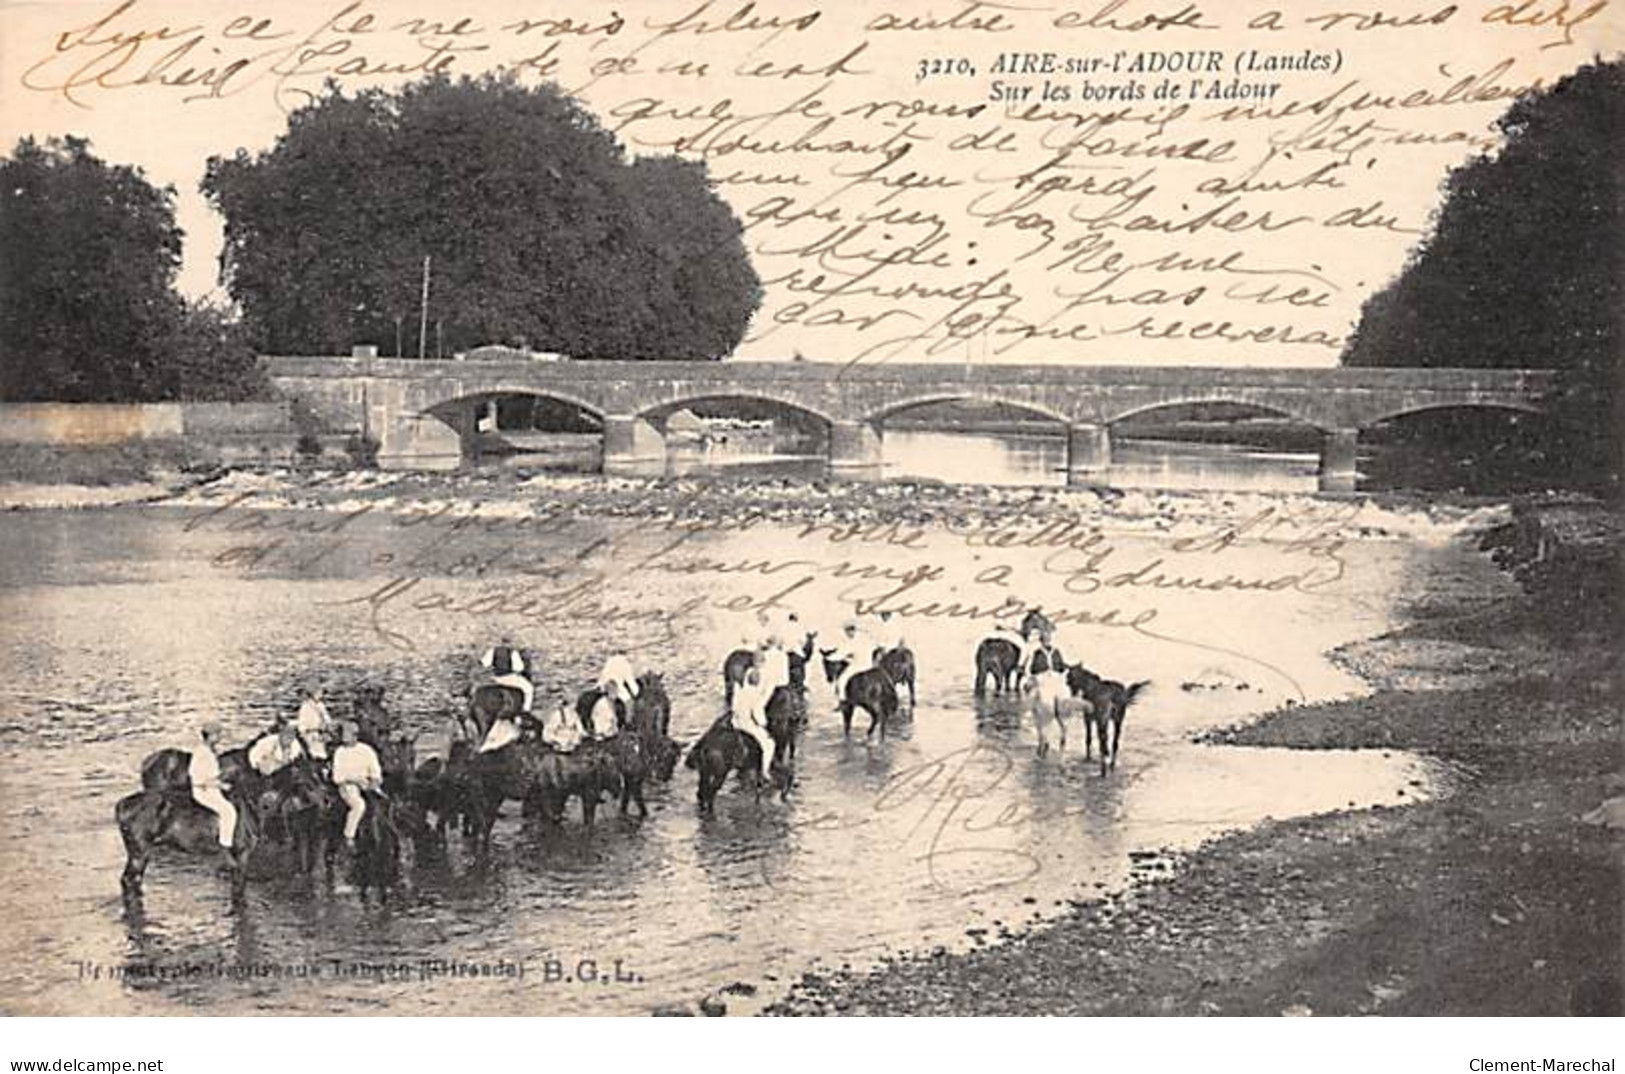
x=119, y=423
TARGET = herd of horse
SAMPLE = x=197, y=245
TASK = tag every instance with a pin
x=299, y=807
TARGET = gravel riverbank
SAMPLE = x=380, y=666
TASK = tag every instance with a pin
x=1502, y=897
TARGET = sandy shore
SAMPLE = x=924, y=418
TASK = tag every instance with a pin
x=1503, y=897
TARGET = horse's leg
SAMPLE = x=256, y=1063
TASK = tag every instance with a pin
x=911, y=697
x=846, y=718
x=1060, y=724
x=589, y=806
x=135, y=868
x=637, y=796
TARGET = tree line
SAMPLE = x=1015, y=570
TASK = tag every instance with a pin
x=538, y=228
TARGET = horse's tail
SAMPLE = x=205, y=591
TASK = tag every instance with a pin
x=692, y=761
x=1133, y=691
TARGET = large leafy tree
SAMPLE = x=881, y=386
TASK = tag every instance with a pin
x=538, y=226
x=88, y=254
x=1522, y=270
x=88, y=310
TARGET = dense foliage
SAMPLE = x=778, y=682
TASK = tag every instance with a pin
x=1522, y=270
x=539, y=228
x=88, y=311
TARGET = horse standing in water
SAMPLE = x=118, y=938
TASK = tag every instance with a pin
x=377, y=861
x=293, y=808
x=1108, y=703
x=874, y=691
x=723, y=749
x=898, y=664
x=150, y=819
x=998, y=659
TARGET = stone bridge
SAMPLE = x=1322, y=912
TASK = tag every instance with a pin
x=424, y=413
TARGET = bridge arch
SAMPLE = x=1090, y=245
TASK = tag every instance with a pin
x=484, y=393
x=894, y=407
x=1239, y=400
x=666, y=407
x=1412, y=410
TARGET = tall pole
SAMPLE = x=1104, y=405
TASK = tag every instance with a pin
x=423, y=320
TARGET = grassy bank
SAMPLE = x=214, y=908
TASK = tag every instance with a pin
x=1501, y=898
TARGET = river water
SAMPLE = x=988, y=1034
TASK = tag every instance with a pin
x=1005, y=458
x=129, y=625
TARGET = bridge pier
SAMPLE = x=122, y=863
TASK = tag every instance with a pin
x=632, y=445
x=1088, y=455
x=1339, y=460
x=855, y=451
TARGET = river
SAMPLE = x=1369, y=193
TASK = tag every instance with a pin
x=1002, y=458
x=130, y=625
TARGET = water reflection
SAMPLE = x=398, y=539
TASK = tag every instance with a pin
x=1019, y=459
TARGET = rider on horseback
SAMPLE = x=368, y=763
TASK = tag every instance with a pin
x=507, y=668
x=273, y=752
x=313, y=722
x=856, y=649
x=208, y=790
x=618, y=682
x=561, y=730
x=749, y=716
x=355, y=770
x=775, y=664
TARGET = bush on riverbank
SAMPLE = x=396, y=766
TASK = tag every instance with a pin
x=1569, y=558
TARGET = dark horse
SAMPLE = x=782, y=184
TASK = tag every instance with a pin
x=874, y=691
x=150, y=819
x=1108, y=703
x=643, y=748
x=372, y=717
x=1000, y=660
x=534, y=773
x=723, y=749
x=490, y=702
x=898, y=663
x=377, y=861
x=292, y=807
x=440, y=786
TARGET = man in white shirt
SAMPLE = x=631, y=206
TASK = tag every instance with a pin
x=857, y=650
x=507, y=668
x=562, y=730
x=749, y=716
x=272, y=753
x=207, y=789
x=775, y=664
x=618, y=679
x=313, y=722
x=355, y=769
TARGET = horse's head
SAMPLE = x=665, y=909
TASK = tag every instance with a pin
x=798, y=671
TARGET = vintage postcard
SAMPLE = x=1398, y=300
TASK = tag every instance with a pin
x=767, y=506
